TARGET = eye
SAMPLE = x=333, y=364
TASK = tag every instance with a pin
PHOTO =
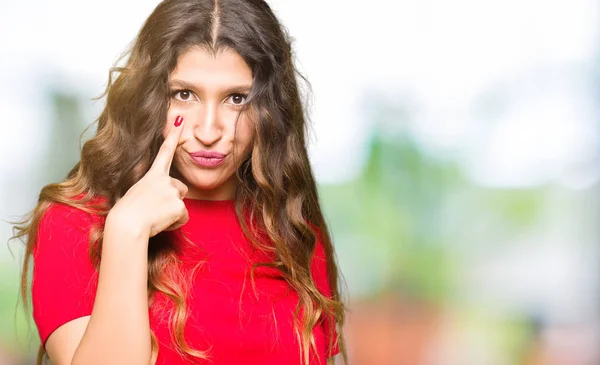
x=237, y=99
x=183, y=95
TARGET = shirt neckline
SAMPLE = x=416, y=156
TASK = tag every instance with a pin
x=208, y=202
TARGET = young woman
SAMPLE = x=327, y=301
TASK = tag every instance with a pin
x=190, y=231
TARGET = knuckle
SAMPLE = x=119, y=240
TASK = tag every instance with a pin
x=181, y=206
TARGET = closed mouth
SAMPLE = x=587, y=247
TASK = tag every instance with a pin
x=208, y=154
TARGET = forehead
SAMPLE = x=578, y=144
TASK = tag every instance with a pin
x=199, y=66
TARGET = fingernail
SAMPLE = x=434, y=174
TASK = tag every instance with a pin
x=178, y=121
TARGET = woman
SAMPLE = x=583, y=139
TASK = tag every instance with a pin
x=190, y=231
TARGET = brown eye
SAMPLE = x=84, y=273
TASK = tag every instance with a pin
x=237, y=99
x=185, y=95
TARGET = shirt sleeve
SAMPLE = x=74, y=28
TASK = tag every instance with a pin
x=64, y=279
x=321, y=278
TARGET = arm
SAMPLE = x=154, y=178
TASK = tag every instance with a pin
x=118, y=330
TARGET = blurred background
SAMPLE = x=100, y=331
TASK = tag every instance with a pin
x=456, y=144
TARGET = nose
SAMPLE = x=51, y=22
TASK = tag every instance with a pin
x=208, y=129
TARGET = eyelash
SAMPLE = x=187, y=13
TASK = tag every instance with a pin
x=175, y=92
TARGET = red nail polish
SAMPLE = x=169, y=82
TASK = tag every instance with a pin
x=178, y=121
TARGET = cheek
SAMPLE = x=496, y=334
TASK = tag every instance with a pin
x=245, y=134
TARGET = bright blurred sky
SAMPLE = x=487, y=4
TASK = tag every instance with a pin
x=503, y=85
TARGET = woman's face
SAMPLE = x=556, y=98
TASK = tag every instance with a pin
x=208, y=92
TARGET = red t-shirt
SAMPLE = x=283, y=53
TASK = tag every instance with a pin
x=227, y=316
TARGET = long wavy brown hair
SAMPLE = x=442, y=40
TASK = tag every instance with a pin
x=276, y=183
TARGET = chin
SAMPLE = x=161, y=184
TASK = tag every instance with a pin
x=206, y=183
x=204, y=179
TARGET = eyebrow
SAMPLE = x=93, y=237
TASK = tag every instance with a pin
x=230, y=90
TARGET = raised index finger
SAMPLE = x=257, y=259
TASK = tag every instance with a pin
x=164, y=158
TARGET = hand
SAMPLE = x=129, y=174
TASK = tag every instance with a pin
x=155, y=202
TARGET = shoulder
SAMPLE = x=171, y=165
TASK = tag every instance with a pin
x=59, y=217
x=319, y=255
x=64, y=225
x=60, y=214
x=319, y=252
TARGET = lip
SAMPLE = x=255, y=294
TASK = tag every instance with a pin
x=207, y=154
x=207, y=158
